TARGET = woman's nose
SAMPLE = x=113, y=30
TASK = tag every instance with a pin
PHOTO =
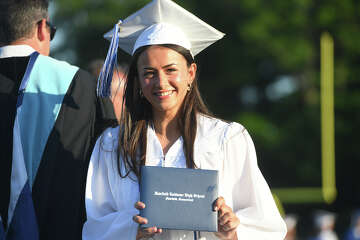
x=162, y=79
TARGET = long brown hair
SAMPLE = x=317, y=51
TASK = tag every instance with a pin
x=137, y=113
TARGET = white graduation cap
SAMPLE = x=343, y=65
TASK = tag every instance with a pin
x=165, y=22
x=159, y=22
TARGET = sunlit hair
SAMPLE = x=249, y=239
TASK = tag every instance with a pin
x=18, y=18
x=137, y=114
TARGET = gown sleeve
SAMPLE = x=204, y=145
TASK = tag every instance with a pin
x=108, y=218
x=250, y=195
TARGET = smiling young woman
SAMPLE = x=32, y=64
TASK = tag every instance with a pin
x=162, y=90
x=164, y=77
x=166, y=123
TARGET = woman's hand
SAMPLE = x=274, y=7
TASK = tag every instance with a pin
x=144, y=233
x=227, y=220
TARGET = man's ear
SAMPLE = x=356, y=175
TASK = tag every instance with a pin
x=41, y=30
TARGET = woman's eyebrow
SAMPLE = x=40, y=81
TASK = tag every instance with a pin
x=168, y=65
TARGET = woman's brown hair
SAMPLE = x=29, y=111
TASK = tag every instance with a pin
x=137, y=114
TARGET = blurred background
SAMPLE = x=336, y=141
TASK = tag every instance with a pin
x=266, y=75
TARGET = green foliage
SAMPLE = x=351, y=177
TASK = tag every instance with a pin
x=265, y=131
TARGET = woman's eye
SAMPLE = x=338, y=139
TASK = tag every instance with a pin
x=148, y=74
x=170, y=70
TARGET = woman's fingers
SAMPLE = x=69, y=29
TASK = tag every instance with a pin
x=219, y=203
x=140, y=220
x=224, y=218
x=223, y=209
x=144, y=232
x=151, y=230
x=229, y=222
x=139, y=205
x=147, y=232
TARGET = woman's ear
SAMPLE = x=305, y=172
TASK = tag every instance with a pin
x=192, y=72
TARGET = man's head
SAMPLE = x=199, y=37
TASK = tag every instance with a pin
x=25, y=22
x=117, y=83
x=117, y=88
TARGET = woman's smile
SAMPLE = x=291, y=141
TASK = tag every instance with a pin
x=164, y=94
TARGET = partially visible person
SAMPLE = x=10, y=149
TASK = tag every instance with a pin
x=51, y=119
x=117, y=89
x=2, y=231
x=353, y=233
x=291, y=225
x=95, y=67
x=165, y=123
x=117, y=84
x=325, y=225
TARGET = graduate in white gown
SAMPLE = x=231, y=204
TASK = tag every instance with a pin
x=165, y=123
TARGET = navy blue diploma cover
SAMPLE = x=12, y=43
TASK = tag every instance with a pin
x=179, y=198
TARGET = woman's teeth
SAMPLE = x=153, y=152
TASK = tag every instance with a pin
x=167, y=93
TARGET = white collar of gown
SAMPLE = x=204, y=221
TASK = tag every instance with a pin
x=209, y=140
x=155, y=156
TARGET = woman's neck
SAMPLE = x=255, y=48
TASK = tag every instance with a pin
x=166, y=129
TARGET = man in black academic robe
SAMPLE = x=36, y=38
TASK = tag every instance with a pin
x=58, y=189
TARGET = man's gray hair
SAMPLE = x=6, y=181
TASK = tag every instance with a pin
x=19, y=17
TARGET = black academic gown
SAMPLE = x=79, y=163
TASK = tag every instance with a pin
x=59, y=187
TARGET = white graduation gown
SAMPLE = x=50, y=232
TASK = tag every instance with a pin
x=226, y=147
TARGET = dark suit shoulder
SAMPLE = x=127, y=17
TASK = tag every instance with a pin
x=13, y=68
x=87, y=81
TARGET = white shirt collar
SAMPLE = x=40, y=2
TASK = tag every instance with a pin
x=16, y=51
x=154, y=154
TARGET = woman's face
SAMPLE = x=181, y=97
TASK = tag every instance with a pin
x=164, y=78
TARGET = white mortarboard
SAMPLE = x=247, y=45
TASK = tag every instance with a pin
x=159, y=22
x=176, y=26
